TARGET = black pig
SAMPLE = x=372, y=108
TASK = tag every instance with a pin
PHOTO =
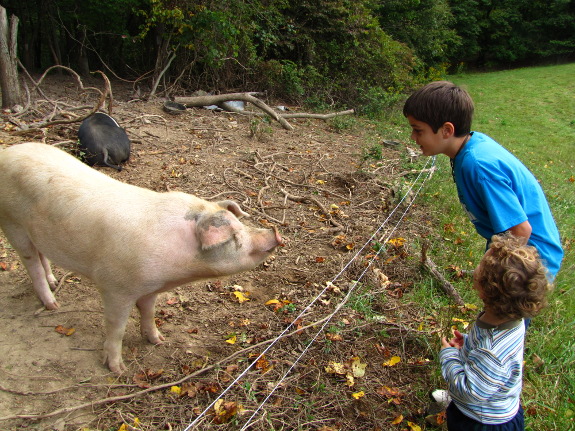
x=103, y=142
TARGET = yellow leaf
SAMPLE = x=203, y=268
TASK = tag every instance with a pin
x=358, y=395
x=357, y=368
x=232, y=339
x=396, y=242
x=335, y=368
x=272, y=301
x=320, y=182
x=123, y=427
x=349, y=380
x=397, y=420
x=392, y=361
x=241, y=297
x=414, y=427
x=471, y=306
x=175, y=389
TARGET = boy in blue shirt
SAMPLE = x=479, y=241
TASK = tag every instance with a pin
x=484, y=368
x=496, y=190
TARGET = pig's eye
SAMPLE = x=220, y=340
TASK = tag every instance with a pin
x=237, y=240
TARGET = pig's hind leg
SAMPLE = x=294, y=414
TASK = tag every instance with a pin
x=146, y=304
x=52, y=282
x=37, y=265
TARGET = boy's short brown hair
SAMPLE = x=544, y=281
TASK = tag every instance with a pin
x=440, y=102
x=512, y=278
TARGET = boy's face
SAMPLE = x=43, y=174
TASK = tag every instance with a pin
x=431, y=144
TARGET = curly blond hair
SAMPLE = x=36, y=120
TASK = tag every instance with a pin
x=512, y=278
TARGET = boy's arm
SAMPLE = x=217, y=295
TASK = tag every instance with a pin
x=522, y=229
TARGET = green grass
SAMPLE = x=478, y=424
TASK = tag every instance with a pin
x=531, y=112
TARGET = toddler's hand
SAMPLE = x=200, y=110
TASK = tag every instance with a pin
x=458, y=340
x=444, y=343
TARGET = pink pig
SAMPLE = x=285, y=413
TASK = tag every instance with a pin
x=132, y=242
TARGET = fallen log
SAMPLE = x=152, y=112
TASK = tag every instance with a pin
x=445, y=285
x=218, y=99
x=318, y=116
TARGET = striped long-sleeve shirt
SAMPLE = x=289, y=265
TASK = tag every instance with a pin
x=485, y=375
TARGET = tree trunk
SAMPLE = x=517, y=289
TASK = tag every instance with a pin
x=9, y=84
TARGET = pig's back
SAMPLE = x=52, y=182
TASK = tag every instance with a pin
x=67, y=208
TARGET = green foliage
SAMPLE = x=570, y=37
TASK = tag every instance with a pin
x=497, y=33
x=322, y=53
x=374, y=101
x=424, y=25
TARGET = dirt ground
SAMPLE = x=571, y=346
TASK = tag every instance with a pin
x=327, y=201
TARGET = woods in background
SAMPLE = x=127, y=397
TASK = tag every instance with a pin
x=349, y=52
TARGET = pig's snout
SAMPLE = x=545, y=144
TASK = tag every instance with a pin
x=267, y=240
x=279, y=239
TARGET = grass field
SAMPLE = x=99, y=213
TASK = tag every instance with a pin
x=531, y=112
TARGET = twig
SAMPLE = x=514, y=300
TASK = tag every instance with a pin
x=337, y=226
x=446, y=286
x=106, y=94
x=319, y=116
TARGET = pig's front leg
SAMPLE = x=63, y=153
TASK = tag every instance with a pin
x=116, y=313
x=146, y=305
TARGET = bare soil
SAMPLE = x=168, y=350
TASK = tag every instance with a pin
x=313, y=183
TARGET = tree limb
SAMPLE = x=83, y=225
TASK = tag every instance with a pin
x=446, y=286
x=218, y=99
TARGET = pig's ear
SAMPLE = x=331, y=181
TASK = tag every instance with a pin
x=233, y=207
x=214, y=230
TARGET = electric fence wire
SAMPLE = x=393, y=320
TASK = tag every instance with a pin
x=338, y=307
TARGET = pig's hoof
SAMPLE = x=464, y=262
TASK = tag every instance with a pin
x=52, y=305
x=52, y=282
x=117, y=367
x=157, y=338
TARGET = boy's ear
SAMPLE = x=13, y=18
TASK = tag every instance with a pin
x=448, y=130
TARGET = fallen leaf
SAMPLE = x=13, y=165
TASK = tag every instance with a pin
x=397, y=420
x=386, y=391
x=188, y=389
x=335, y=368
x=263, y=365
x=333, y=337
x=414, y=427
x=232, y=339
x=225, y=410
x=358, y=395
x=176, y=390
x=64, y=331
x=392, y=361
x=357, y=367
x=396, y=242
x=241, y=297
x=273, y=301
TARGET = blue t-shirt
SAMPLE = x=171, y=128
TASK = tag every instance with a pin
x=498, y=192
